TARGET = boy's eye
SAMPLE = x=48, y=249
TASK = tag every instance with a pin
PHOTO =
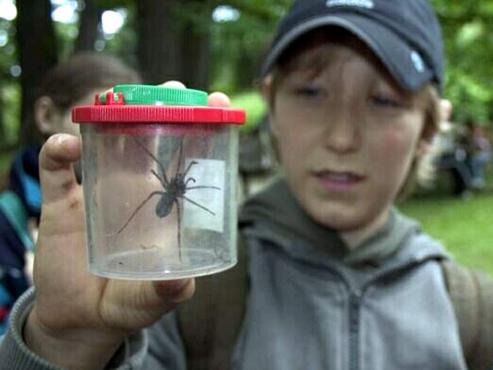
x=385, y=101
x=311, y=92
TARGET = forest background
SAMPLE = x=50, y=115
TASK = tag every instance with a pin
x=208, y=44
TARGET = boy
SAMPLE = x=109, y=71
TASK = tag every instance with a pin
x=338, y=279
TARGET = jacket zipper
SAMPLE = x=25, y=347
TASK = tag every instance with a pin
x=354, y=324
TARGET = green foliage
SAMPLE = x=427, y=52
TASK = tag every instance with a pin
x=9, y=87
x=123, y=44
x=254, y=106
x=66, y=34
x=8, y=51
x=468, y=46
x=11, y=96
x=471, y=96
x=110, y=4
x=237, y=47
x=464, y=226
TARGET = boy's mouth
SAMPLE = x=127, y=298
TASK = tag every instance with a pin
x=339, y=175
x=338, y=180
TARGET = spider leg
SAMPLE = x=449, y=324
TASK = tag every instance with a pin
x=178, y=219
x=155, y=159
x=188, y=180
x=161, y=180
x=138, y=208
x=188, y=168
x=202, y=187
x=180, y=156
x=198, y=205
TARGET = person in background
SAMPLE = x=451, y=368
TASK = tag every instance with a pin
x=450, y=154
x=478, y=153
x=70, y=83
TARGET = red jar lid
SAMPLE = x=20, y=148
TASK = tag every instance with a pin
x=155, y=104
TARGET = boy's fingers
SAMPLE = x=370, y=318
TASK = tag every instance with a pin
x=174, y=84
x=143, y=301
x=174, y=291
x=218, y=99
x=55, y=166
x=155, y=297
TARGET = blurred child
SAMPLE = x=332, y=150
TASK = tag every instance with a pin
x=478, y=153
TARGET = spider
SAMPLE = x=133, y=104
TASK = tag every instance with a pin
x=174, y=188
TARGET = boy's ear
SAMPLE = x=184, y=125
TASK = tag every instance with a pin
x=266, y=92
x=46, y=115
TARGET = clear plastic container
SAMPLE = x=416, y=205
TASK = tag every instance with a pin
x=159, y=183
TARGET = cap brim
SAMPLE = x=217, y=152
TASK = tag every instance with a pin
x=394, y=54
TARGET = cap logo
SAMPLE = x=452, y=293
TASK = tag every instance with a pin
x=418, y=62
x=359, y=3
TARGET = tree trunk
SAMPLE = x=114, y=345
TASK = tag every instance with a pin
x=36, y=45
x=247, y=66
x=196, y=55
x=172, y=47
x=159, y=44
x=89, y=26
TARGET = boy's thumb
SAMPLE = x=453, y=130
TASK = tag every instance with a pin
x=56, y=166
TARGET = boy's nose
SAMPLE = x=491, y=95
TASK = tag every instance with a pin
x=342, y=133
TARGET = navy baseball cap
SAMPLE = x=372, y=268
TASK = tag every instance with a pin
x=404, y=34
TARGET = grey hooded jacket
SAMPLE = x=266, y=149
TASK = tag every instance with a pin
x=313, y=303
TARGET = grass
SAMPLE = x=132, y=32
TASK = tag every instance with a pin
x=464, y=226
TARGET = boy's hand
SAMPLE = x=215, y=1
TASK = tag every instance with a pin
x=79, y=320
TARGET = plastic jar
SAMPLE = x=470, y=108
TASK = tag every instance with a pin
x=159, y=173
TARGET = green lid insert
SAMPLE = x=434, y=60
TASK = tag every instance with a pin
x=158, y=95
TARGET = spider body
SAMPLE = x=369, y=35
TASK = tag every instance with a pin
x=165, y=205
x=176, y=188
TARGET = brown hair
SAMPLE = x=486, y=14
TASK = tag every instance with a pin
x=82, y=73
x=296, y=58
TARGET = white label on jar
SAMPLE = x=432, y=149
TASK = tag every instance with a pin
x=203, y=202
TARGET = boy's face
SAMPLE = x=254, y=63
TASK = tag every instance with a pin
x=346, y=137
